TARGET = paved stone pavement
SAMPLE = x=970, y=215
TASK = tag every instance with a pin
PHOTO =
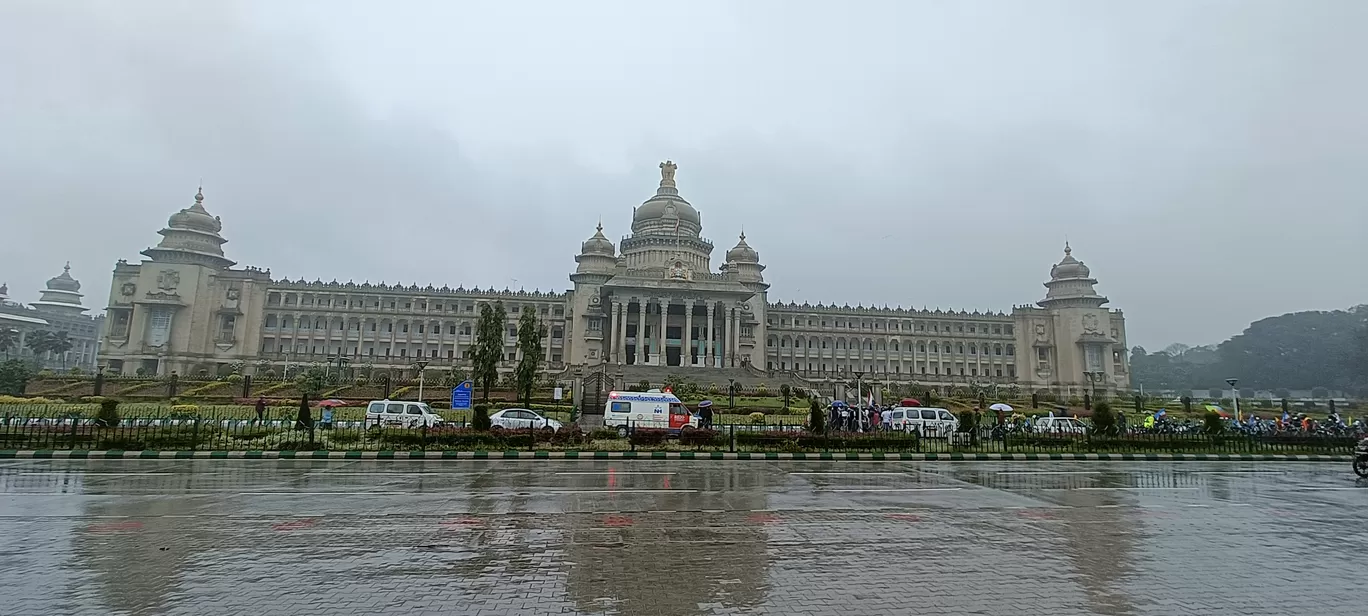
x=679, y=538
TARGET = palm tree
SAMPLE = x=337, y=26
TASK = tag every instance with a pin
x=59, y=343
x=9, y=339
x=38, y=341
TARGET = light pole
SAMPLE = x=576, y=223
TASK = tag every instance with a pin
x=1234, y=396
x=422, y=368
x=1093, y=378
x=859, y=386
x=731, y=393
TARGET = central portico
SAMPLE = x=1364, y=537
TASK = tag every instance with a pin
x=657, y=302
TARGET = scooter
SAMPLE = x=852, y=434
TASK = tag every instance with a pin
x=1361, y=458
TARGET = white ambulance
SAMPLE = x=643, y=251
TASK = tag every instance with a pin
x=651, y=409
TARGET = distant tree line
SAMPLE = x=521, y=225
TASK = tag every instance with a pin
x=1301, y=350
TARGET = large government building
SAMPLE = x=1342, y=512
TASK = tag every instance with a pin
x=57, y=310
x=652, y=305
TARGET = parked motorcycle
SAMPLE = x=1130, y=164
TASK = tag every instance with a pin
x=1361, y=458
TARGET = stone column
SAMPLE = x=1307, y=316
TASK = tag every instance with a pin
x=663, y=360
x=733, y=335
x=686, y=340
x=709, y=360
x=640, y=314
x=621, y=338
x=627, y=321
x=615, y=335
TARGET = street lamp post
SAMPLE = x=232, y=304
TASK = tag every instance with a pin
x=1093, y=378
x=859, y=386
x=422, y=368
x=1234, y=396
x=731, y=393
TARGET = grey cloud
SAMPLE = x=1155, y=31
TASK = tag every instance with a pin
x=1203, y=157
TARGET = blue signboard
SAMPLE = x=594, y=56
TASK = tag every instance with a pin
x=462, y=394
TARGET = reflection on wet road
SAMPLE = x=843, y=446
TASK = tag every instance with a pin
x=679, y=537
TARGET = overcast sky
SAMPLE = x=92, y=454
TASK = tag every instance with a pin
x=1206, y=159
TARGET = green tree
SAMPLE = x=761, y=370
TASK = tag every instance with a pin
x=312, y=382
x=59, y=344
x=14, y=377
x=816, y=416
x=530, y=347
x=9, y=340
x=39, y=341
x=489, y=337
x=1104, y=419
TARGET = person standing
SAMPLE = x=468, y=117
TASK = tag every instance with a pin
x=261, y=409
x=705, y=414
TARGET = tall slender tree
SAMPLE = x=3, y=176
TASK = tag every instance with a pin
x=9, y=340
x=489, y=345
x=530, y=349
x=40, y=342
x=59, y=344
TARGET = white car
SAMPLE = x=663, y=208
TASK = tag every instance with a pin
x=929, y=422
x=400, y=414
x=1059, y=425
x=521, y=419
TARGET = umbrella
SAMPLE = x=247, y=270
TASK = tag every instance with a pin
x=1006, y=408
x=332, y=402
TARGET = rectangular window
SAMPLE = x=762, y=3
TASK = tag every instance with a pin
x=404, y=328
x=451, y=330
x=420, y=329
x=451, y=353
x=1093, y=358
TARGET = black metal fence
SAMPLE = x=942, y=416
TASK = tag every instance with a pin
x=206, y=433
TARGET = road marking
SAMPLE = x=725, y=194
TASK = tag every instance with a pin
x=1319, y=488
x=87, y=474
x=600, y=473
x=610, y=491
x=889, y=490
x=323, y=493
x=1140, y=489
x=1049, y=472
x=381, y=473
x=855, y=474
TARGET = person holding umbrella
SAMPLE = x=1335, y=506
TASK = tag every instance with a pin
x=705, y=414
x=1002, y=410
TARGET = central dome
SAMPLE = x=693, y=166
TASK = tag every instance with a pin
x=666, y=204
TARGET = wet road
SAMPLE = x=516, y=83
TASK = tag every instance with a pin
x=676, y=537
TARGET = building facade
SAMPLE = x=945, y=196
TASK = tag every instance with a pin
x=57, y=310
x=653, y=303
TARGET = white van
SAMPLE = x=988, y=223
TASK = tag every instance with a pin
x=928, y=422
x=652, y=409
x=400, y=414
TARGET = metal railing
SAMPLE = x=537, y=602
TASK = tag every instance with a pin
x=224, y=433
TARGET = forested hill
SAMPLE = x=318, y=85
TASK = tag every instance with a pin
x=1301, y=350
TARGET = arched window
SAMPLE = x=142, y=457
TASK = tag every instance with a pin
x=921, y=346
x=270, y=320
x=973, y=349
x=895, y=345
x=997, y=349
x=961, y=348
x=935, y=348
x=1011, y=350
